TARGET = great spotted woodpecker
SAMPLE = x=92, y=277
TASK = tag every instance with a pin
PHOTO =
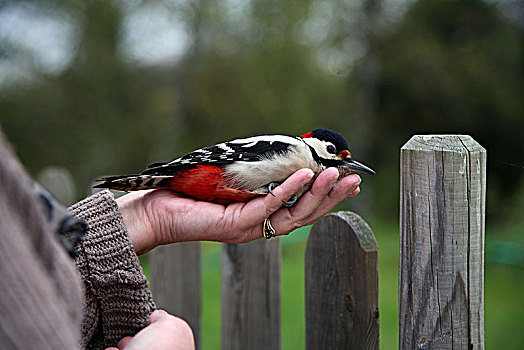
x=241, y=169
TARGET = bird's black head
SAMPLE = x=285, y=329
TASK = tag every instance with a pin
x=331, y=136
x=331, y=149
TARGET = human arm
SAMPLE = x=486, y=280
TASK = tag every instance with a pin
x=163, y=217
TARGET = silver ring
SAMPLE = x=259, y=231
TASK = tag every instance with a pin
x=269, y=231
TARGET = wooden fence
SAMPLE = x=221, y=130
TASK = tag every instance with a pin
x=441, y=266
x=341, y=287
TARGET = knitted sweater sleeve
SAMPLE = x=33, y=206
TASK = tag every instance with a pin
x=118, y=301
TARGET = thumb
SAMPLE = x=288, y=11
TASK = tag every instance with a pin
x=123, y=342
x=157, y=315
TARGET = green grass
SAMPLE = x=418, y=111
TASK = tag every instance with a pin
x=504, y=288
x=211, y=300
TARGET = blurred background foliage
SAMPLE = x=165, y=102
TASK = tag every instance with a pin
x=106, y=87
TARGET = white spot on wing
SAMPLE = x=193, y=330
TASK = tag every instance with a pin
x=251, y=144
x=225, y=147
x=269, y=138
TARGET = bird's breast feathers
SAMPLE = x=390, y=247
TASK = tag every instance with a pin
x=271, y=168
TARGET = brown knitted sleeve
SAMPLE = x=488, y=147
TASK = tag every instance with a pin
x=118, y=301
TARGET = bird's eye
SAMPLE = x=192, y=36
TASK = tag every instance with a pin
x=331, y=149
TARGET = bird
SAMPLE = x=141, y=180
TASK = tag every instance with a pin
x=244, y=168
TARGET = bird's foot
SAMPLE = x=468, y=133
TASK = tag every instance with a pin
x=289, y=203
x=271, y=186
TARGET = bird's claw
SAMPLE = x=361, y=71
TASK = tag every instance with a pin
x=271, y=186
x=289, y=203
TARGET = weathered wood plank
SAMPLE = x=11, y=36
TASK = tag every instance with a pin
x=342, y=309
x=176, y=282
x=441, y=272
x=251, y=295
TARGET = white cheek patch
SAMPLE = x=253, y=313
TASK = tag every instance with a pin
x=321, y=148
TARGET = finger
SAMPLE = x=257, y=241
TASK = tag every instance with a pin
x=156, y=316
x=305, y=214
x=355, y=192
x=346, y=188
x=123, y=342
x=323, y=184
x=312, y=198
x=263, y=208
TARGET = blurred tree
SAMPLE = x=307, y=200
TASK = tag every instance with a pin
x=99, y=116
x=253, y=76
x=450, y=67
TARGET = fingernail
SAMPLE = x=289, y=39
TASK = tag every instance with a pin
x=308, y=177
x=333, y=181
x=355, y=186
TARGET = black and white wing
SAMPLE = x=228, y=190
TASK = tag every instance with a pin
x=248, y=149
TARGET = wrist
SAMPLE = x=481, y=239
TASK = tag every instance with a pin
x=139, y=228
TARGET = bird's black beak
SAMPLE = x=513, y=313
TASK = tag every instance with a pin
x=357, y=167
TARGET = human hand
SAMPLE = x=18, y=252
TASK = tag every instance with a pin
x=163, y=331
x=162, y=216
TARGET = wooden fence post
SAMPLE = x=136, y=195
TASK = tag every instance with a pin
x=342, y=284
x=441, y=272
x=251, y=295
x=176, y=282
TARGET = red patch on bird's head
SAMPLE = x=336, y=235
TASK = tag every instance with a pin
x=308, y=134
x=344, y=154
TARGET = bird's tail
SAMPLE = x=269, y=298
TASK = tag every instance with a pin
x=134, y=182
